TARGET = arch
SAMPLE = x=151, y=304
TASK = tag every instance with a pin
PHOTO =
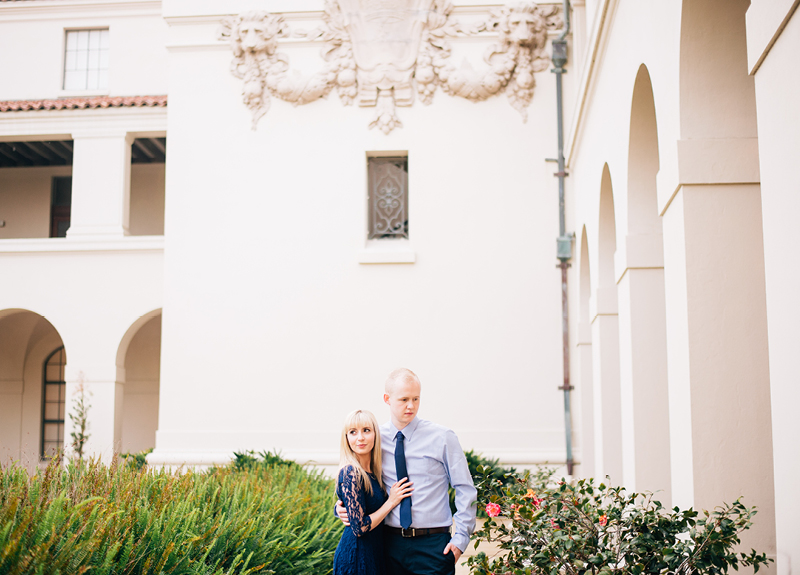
x=717, y=95
x=138, y=370
x=605, y=342
x=585, y=280
x=607, y=232
x=27, y=339
x=643, y=160
x=122, y=349
x=642, y=310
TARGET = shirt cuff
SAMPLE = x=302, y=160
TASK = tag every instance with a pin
x=460, y=541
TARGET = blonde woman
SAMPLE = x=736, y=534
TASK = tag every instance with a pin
x=360, y=487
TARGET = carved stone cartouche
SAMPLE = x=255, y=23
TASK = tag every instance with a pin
x=380, y=52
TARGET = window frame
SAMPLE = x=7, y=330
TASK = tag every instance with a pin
x=62, y=89
x=396, y=250
x=43, y=456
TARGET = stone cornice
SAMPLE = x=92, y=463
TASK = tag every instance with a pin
x=65, y=9
x=61, y=124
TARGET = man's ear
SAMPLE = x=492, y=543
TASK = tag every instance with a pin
x=386, y=398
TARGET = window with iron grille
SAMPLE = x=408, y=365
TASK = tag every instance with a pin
x=388, y=197
x=86, y=60
x=54, y=403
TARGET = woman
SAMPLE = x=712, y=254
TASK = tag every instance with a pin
x=360, y=487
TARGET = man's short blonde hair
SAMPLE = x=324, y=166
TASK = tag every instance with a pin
x=400, y=375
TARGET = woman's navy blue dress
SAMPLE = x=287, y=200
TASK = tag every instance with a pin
x=360, y=550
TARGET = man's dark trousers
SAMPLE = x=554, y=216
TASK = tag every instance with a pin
x=418, y=555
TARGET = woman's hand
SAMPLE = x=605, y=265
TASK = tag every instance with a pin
x=400, y=491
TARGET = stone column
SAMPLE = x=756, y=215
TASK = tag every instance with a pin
x=643, y=367
x=586, y=391
x=605, y=363
x=101, y=172
x=719, y=383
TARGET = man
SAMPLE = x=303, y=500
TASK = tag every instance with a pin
x=417, y=534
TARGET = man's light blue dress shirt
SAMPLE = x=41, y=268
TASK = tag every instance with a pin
x=435, y=460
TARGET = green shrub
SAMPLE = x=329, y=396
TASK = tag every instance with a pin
x=90, y=518
x=501, y=476
x=576, y=528
x=250, y=460
x=136, y=460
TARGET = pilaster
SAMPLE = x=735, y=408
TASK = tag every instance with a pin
x=101, y=174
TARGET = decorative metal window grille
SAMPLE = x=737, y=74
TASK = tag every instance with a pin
x=86, y=60
x=388, y=197
x=53, y=404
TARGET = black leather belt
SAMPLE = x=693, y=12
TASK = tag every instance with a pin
x=415, y=531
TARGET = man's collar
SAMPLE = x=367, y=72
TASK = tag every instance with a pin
x=408, y=430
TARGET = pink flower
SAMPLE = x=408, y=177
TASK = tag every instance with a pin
x=553, y=524
x=531, y=494
x=492, y=509
x=603, y=521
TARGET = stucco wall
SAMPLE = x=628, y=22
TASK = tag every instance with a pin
x=147, y=200
x=777, y=83
x=269, y=312
x=137, y=57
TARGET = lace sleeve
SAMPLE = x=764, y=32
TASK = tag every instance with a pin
x=351, y=492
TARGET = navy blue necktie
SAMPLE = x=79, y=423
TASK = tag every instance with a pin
x=402, y=471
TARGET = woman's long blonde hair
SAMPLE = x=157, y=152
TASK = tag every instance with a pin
x=356, y=420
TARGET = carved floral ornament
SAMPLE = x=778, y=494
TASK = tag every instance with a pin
x=384, y=53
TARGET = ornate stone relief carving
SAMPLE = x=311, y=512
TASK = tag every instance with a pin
x=380, y=53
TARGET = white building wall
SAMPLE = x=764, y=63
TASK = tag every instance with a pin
x=268, y=310
x=773, y=45
x=137, y=36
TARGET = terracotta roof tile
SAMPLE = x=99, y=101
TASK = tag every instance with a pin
x=83, y=103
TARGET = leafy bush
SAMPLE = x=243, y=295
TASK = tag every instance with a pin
x=90, y=518
x=249, y=460
x=501, y=476
x=582, y=528
x=136, y=460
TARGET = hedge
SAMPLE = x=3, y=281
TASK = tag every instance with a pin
x=87, y=517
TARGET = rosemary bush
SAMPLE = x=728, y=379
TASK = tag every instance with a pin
x=583, y=528
x=86, y=517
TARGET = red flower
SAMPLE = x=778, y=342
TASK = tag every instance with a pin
x=553, y=524
x=531, y=494
x=603, y=521
x=492, y=509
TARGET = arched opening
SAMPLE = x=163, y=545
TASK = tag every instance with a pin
x=717, y=95
x=139, y=366
x=605, y=342
x=585, y=383
x=32, y=393
x=642, y=310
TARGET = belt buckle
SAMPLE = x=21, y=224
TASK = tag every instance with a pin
x=411, y=531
